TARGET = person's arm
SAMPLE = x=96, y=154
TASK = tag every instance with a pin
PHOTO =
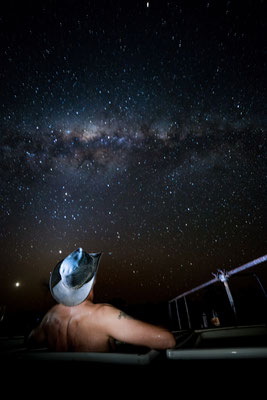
x=36, y=338
x=124, y=328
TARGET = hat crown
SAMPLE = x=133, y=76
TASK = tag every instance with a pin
x=72, y=278
x=77, y=268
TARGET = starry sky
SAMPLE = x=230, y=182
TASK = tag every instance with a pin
x=136, y=129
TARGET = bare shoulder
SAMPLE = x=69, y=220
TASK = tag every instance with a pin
x=110, y=311
x=53, y=316
x=100, y=310
x=104, y=309
x=57, y=310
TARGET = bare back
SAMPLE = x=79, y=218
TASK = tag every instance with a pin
x=76, y=328
x=94, y=327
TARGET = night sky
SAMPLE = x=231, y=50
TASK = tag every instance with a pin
x=133, y=128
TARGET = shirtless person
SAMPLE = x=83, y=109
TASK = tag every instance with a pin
x=77, y=324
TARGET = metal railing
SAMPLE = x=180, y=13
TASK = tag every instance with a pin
x=220, y=276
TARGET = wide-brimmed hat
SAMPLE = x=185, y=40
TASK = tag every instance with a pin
x=72, y=278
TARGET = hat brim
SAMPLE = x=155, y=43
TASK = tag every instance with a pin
x=67, y=296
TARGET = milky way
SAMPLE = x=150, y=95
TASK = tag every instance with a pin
x=142, y=141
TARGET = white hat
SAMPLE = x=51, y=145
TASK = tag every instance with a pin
x=72, y=278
